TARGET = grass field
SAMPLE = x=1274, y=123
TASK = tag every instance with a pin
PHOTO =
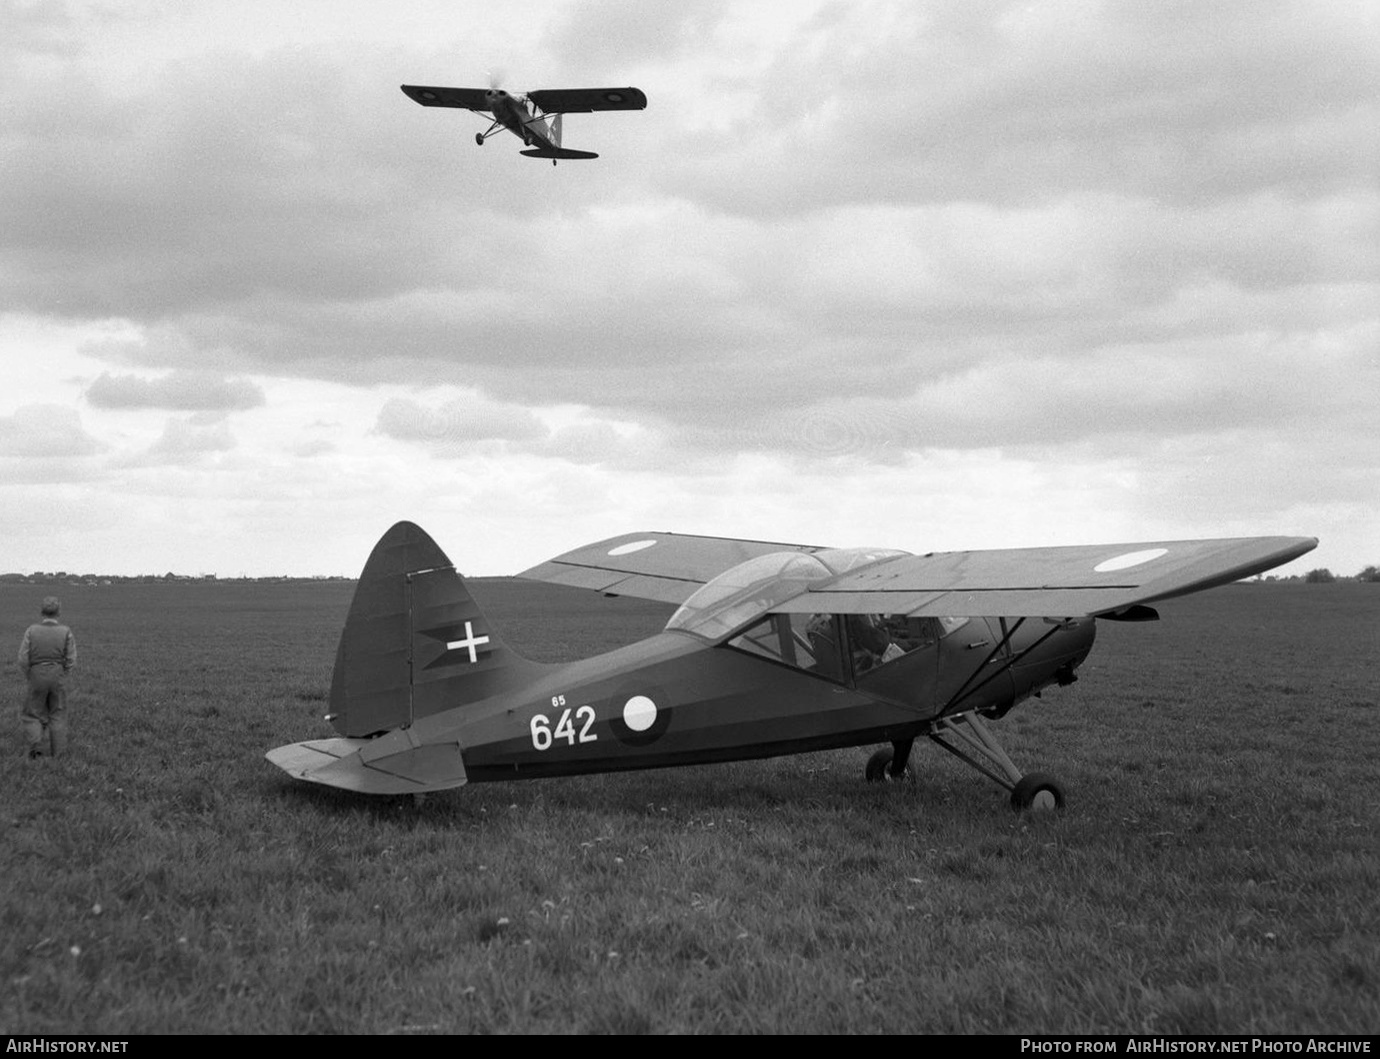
x=1216, y=870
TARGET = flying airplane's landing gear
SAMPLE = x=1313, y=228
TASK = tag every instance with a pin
x=892, y=765
x=479, y=138
x=968, y=738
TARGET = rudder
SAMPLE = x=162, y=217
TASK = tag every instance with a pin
x=414, y=643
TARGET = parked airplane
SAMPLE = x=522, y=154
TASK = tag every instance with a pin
x=776, y=649
x=535, y=118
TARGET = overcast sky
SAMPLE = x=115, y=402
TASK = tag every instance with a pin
x=925, y=275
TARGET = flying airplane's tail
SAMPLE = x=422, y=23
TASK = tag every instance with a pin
x=415, y=642
x=564, y=153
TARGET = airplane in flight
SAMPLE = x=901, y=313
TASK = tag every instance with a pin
x=535, y=118
x=775, y=649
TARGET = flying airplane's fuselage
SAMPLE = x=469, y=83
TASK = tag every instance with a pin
x=513, y=113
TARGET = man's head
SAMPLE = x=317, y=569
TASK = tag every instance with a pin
x=51, y=608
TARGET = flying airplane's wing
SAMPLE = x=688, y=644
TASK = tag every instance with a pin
x=1068, y=582
x=663, y=566
x=584, y=100
x=468, y=98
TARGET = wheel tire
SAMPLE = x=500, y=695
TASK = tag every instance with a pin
x=479, y=138
x=879, y=769
x=1037, y=792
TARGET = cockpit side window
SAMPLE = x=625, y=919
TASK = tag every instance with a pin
x=877, y=640
x=808, y=642
x=840, y=647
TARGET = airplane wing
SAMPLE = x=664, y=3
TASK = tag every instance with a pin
x=584, y=100
x=466, y=98
x=667, y=567
x=1063, y=582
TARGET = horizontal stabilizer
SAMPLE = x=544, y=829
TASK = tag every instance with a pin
x=379, y=766
x=557, y=152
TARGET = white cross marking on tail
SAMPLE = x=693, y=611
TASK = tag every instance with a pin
x=471, y=641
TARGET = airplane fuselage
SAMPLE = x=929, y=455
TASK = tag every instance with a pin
x=673, y=699
x=512, y=111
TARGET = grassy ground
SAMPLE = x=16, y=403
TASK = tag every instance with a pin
x=1215, y=871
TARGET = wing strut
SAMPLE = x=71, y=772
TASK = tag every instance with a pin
x=965, y=690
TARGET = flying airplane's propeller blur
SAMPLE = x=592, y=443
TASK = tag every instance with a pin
x=775, y=649
x=534, y=118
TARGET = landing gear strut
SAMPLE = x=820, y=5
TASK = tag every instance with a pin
x=968, y=738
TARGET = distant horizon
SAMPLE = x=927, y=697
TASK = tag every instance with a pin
x=81, y=580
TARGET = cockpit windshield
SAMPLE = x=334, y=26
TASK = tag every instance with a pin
x=745, y=592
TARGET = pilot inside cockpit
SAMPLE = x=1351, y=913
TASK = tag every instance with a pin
x=869, y=644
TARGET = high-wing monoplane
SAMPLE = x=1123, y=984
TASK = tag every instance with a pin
x=534, y=118
x=775, y=649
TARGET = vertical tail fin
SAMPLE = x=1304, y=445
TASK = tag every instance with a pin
x=415, y=642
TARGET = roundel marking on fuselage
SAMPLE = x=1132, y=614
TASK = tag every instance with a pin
x=1130, y=559
x=630, y=547
x=639, y=713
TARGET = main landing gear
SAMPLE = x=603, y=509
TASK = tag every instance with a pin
x=968, y=738
x=891, y=766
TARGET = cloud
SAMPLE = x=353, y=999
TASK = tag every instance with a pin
x=187, y=441
x=182, y=391
x=45, y=431
x=457, y=424
x=1015, y=103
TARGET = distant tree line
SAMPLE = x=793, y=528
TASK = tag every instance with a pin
x=1323, y=576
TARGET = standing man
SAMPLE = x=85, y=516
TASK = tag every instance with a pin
x=46, y=653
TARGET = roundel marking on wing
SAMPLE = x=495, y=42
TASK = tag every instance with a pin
x=630, y=547
x=614, y=97
x=639, y=713
x=1130, y=559
x=428, y=95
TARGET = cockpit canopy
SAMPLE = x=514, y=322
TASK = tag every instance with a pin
x=742, y=594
